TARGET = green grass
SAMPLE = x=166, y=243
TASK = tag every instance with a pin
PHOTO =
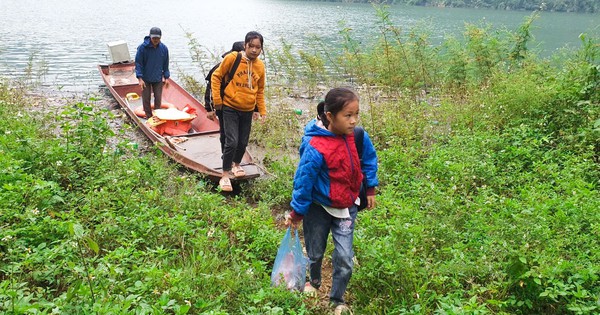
x=488, y=201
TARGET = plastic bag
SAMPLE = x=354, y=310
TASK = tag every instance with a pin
x=290, y=263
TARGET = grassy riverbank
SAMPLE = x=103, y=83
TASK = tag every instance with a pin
x=489, y=168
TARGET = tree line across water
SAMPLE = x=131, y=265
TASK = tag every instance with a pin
x=581, y=6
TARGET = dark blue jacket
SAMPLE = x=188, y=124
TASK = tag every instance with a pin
x=152, y=64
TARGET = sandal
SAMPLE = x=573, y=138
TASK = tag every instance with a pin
x=238, y=171
x=225, y=184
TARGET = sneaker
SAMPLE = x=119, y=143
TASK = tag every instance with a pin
x=342, y=309
x=309, y=289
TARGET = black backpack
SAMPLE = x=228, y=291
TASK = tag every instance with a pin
x=209, y=104
x=359, y=135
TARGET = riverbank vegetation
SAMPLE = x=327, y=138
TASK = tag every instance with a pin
x=586, y=6
x=488, y=204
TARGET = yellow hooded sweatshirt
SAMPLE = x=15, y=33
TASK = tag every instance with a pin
x=246, y=89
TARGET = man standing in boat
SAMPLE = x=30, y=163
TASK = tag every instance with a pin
x=152, y=69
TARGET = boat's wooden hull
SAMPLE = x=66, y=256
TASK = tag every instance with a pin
x=202, y=150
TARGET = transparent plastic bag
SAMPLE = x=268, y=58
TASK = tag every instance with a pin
x=289, y=268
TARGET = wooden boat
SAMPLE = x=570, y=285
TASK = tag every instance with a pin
x=201, y=150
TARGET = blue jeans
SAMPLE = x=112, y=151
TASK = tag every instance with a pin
x=316, y=225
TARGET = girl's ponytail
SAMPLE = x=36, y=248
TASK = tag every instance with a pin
x=321, y=114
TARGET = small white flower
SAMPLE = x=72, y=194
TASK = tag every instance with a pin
x=129, y=172
x=188, y=303
x=35, y=211
x=7, y=238
x=7, y=132
x=58, y=163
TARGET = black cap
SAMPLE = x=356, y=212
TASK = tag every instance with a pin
x=237, y=46
x=155, y=32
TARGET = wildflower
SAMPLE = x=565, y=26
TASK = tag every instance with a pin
x=7, y=132
x=7, y=238
x=35, y=211
x=188, y=303
x=59, y=163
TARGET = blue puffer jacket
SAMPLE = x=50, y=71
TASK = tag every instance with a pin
x=152, y=64
x=329, y=171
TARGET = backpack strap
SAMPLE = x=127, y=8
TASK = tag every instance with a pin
x=236, y=63
x=231, y=73
x=359, y=135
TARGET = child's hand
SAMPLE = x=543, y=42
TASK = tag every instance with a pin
x=371, y=202
x=290, y=221
x=210, y=115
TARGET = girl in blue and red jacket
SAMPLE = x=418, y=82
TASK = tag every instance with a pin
x=326, y=188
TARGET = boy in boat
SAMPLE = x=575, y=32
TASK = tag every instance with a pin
x=152, y=69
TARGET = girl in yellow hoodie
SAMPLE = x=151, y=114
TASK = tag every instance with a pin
x=243, y=94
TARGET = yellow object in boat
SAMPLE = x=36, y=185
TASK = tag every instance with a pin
x=132, y=96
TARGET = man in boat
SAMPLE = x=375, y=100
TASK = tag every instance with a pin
x=152, y=69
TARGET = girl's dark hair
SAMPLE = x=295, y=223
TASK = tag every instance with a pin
x=335, y=100
x=252, y=35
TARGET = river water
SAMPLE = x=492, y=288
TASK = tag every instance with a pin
x=68, y=38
